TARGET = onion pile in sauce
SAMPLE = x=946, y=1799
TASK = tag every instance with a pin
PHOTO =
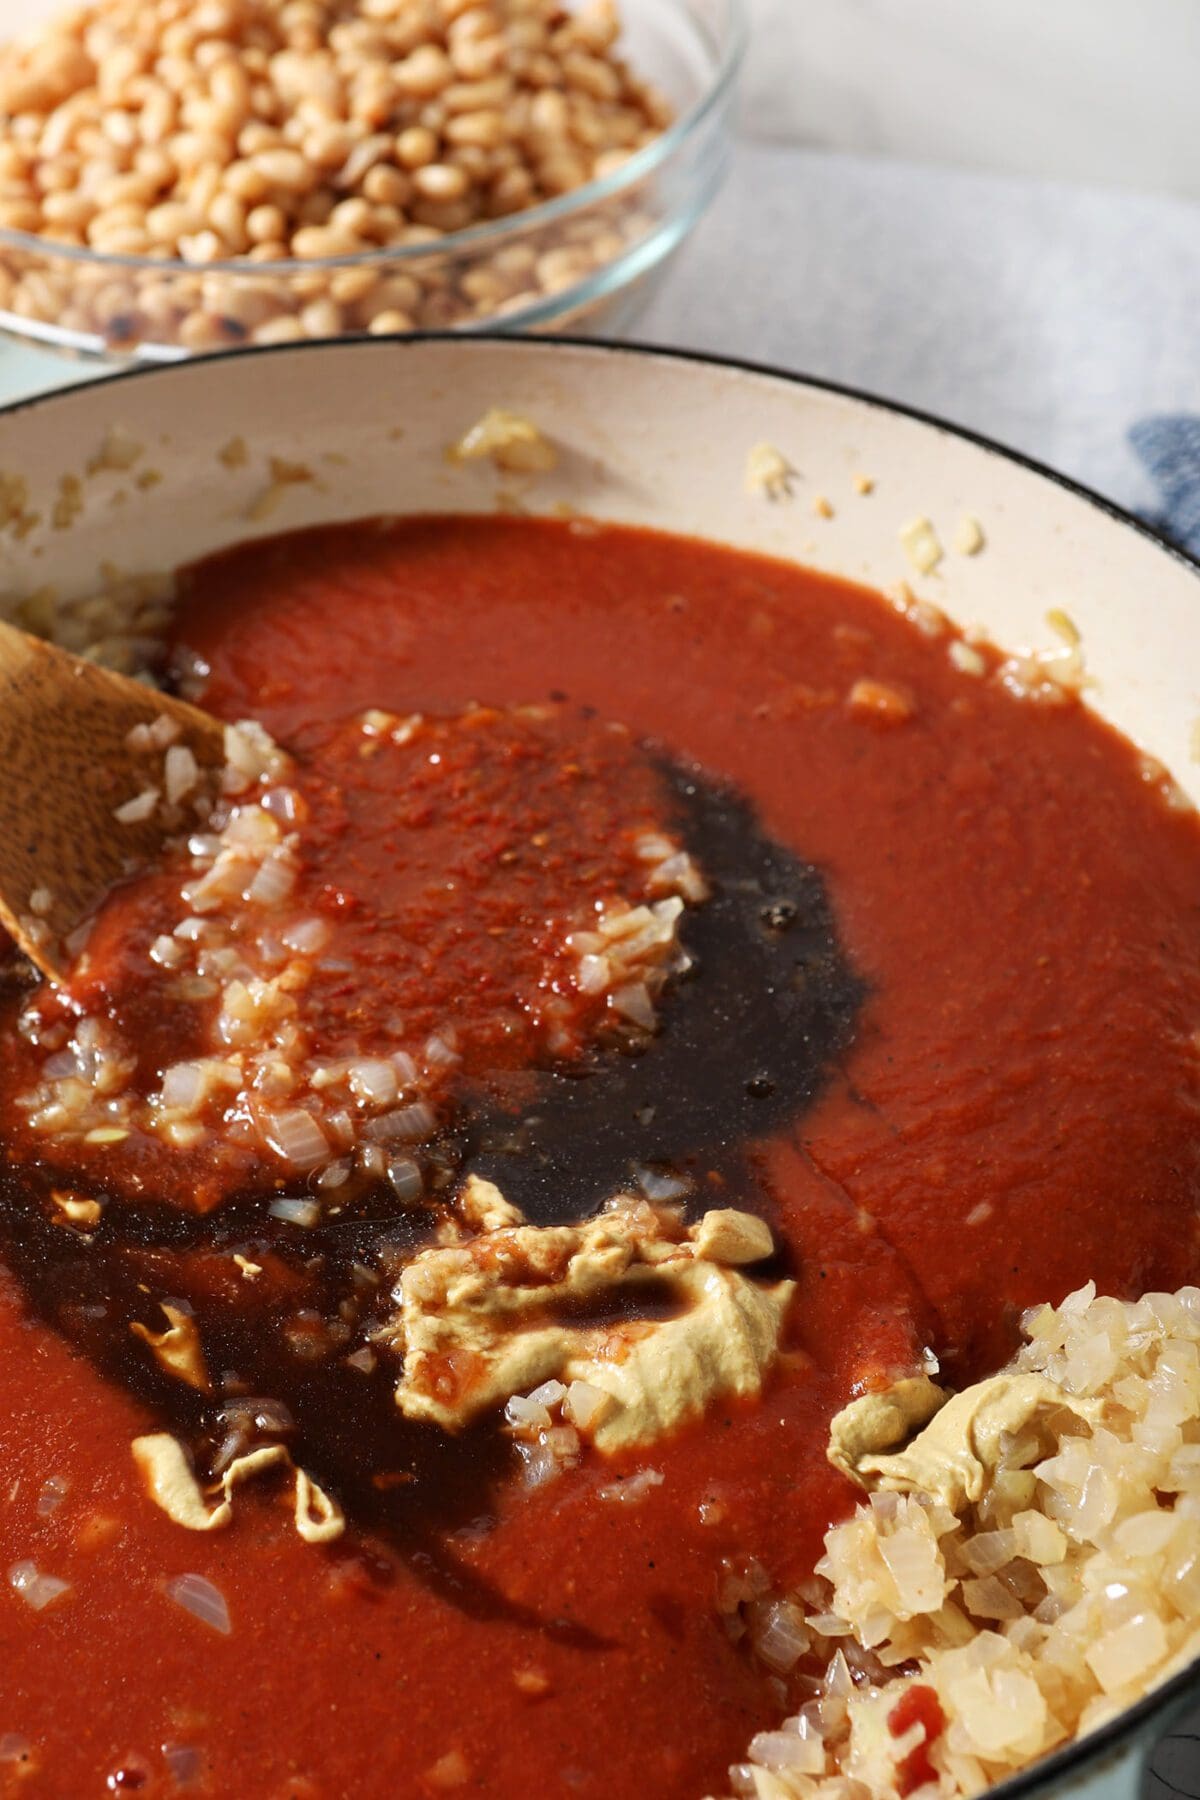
x=939, y=1030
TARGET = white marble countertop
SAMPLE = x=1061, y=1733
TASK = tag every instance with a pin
x=1098, y=91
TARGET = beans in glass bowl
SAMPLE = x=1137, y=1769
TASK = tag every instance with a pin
x=190, y=175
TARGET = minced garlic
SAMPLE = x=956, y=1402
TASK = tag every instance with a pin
x=119, y=451
x=968, y=537
x=1063, y=625
x=921, y=545
x=284, y=475
x=768, y=472
x=513, y=443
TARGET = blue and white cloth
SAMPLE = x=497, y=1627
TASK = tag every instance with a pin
x=1170, y=448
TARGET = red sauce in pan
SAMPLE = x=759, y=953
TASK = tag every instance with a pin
x=1015, y=1112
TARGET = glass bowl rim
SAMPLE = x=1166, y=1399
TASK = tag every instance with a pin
x=730, y=49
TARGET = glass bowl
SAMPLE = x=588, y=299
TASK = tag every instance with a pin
x=583, y=261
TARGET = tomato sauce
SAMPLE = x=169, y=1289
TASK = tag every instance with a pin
x=918, y=1705
x=447, y=870
x=1009, y=1108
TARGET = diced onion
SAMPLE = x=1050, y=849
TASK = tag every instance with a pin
x=197, y=1595
x=681, y=873
x=988, y=1551
x=584, y=1404
x=263, y=1413
x=593, y=974
x=624, y=923
x=54, y=1492
x=284, y=803
x=298, y=1138
x=251, y=831
x=36, y=1590
x=837, y=1679
x=653, y=847
x=374, y=1080
x=830, y=1625
x=405, y=1178
x=183, y=1086
x=563, y=1442
x=249, y=752
x=633, y=1003
x=787, y=1750
x=988, y=1598
x=341, y=1127
x=231, y=1446
x=632, y=1488
x=307, y=936
x=141, y=807
x=163, y=731
x=1128, y=1652
x=662, y=1187
x=184, y=1761
x=541, y=1464
x=328, y=1074
x=274, y=880
x=914, y=1565
x=296, y=1212
x=440, y=1054
x=526, y=1414
x=780, y=1638
x=406, y=1123
x=180, y=773
x=549, y=1394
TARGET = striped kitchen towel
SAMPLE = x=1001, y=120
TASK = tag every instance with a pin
x=1169, y=447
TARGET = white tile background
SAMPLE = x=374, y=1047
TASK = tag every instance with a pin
x=1103, y=91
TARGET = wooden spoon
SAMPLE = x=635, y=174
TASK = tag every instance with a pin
x=66, y=765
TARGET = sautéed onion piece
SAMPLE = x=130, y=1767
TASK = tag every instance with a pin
x=200, y=1597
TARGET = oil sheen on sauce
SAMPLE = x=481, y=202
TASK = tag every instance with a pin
x=940, y=1032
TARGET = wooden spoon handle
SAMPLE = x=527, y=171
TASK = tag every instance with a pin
x=66, y=764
